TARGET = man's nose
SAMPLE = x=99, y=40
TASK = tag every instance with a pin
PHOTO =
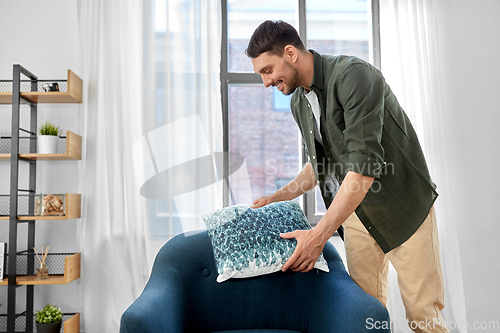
x=267, y=81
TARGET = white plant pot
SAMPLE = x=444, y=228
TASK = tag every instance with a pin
x=47, y=144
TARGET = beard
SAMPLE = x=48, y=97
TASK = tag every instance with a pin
x=293, y=82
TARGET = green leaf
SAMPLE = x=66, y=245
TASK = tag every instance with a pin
x=49, y=129
x=49, y=314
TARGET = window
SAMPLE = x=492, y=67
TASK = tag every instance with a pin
x=269, y=141
x=281, y=103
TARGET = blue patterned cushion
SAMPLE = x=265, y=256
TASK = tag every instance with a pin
x=246, y=241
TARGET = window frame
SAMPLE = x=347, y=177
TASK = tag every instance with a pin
x=227, y=78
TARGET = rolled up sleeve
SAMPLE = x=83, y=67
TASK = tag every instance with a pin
x=361, y=94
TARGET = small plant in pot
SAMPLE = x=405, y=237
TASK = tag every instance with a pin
x=49, y=319
x=48, y=138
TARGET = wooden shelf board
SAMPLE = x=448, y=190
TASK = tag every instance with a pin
x=30, y=218
x=73, y=204
x=73, y=95
x=72, y=325
x=5, y=98
x=41, y=97
x=71, y=272
x=32, y=280
x=41, y=157
x=73, y=151
x=49, y=157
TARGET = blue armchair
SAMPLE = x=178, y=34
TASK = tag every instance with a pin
x=183, y=296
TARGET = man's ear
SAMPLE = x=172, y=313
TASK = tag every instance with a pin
x=291, y=53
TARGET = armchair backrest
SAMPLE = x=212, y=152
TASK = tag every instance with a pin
x=278, y=300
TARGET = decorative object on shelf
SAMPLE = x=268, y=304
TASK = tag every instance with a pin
x=3, y=260
x=48, y=138
x=42, y=272
x=49, y=319
x=51, y=87
x=49, y=205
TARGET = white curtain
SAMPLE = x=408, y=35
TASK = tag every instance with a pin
x=410, y=58
x=149, y=67
x=183, y=112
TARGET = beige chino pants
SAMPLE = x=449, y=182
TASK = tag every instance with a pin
x=418, y=266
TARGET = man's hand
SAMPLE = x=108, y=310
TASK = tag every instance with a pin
x=261, y=202
x=310, y=244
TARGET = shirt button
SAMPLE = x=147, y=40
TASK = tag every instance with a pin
x=311, y=132
x=314, y=157
x=308, y=105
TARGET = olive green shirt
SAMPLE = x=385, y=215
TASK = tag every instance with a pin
x=365, y=130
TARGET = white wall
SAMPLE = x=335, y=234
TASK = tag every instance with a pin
x=42, y=36
x=468, y=32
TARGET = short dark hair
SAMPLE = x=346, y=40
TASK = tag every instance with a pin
x=273, y=36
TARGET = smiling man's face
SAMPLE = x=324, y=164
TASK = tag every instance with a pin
x=277, y=72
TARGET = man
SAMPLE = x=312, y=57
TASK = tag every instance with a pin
x=365, y=156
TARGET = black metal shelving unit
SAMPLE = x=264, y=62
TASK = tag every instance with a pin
x=21, y=201
x=14, y=192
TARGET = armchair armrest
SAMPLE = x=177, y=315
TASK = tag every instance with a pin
x=160, y=307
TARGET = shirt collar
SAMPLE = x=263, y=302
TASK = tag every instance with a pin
x=318, y=71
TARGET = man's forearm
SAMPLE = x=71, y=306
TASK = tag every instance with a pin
x=351, y=193
x=304, y=182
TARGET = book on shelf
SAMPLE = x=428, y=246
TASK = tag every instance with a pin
x=3, y=259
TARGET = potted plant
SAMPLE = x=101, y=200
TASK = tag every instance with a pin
x=49, y=319
x=48, y=138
